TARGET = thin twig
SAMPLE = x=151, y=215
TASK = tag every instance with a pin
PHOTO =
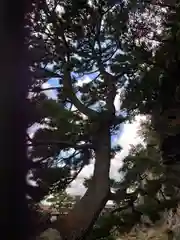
x=64, y=144
x=38, y=89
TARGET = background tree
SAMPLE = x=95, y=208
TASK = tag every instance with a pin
x=158, y=83
x=144, y=194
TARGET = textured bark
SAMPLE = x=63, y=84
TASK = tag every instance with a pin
x=80, y=220
x=13, y=121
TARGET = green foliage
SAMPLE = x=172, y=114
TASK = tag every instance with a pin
x=112, y=40
x=145, y=191
x=154, y=88
x=61, y=200
x=86, y=38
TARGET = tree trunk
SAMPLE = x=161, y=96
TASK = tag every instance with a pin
x=84, y=214
x=13, y=121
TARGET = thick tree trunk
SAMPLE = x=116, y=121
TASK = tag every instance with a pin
x=80, y=220
x=13, y=120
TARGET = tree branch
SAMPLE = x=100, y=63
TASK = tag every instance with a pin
x=44, y=73
x=119, y=209
x=67, y=83
x=75, y=175
x=39, y=89
x=66, y=79
x=163, y=4
x=108, y=78
x=64, y=144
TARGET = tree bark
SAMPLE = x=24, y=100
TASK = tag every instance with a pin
x=13, y=121
x=82, y=217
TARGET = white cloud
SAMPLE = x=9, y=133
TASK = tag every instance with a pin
x=128, y=138
x=31, y=131
x=117, y=102
x=87, y=171
x=77, y=187
x=60, y=10
x=50, y=93
x=83, y=80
